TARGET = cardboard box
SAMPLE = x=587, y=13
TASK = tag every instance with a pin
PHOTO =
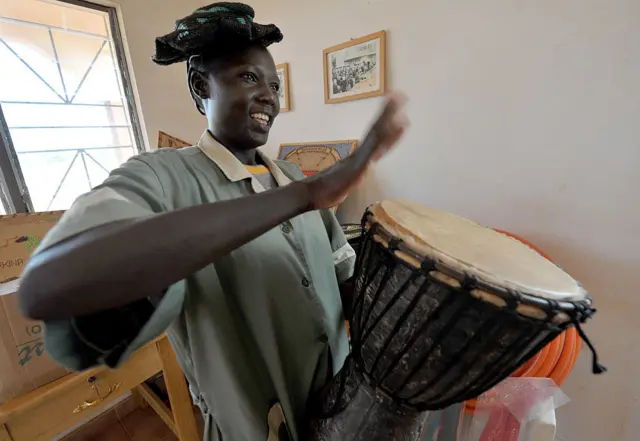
x=24, y=366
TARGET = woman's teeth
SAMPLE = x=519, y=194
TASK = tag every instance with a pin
x=262, y=118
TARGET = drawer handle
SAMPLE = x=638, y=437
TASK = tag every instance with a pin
x=89, y=404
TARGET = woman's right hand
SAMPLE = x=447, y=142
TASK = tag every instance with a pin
x=331, y=187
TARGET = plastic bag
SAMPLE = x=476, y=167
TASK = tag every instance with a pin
x=518, y=409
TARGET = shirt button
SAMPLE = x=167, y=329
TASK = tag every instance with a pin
x=287, y=228
x=305, y=282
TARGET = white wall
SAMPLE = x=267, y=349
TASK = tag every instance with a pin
x=526, y=116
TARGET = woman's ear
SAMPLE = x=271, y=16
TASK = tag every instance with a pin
x=199, y=85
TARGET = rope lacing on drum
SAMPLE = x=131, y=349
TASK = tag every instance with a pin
x=583, y=313
x=469, y=282
x=513, y=299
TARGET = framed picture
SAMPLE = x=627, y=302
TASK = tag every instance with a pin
x=166, y=140
x=355, y=69
x=283, y=75
x=313, y=157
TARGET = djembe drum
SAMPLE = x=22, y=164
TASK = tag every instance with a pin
x=444, y=310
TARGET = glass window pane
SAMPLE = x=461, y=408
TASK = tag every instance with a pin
x=32, y=47
x=54, y=14
x=56, y=179
x=62, y=96
x=101, y=83
x=18, y=82
x=49, y=115
x=79, y=57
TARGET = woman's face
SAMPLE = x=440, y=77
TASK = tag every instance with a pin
x=242, y=102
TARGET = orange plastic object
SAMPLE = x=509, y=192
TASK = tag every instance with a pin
x=555, y=361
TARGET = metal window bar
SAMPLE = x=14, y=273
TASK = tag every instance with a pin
x=57, y=28
x=55, y=54
x=45, y=103
x=14, y=193
x=125, y=79
x=86, y=74
x=73, y=150
x=66, y=127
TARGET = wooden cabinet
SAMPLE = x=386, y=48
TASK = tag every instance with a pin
x=45, y=412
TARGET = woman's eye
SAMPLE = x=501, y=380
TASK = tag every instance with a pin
x=250, y=76
x=275, y=87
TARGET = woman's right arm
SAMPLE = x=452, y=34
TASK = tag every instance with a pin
x=120, y=262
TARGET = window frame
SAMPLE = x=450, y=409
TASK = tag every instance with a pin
x=15, y=196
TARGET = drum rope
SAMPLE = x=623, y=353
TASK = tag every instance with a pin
x=596, y=367
x=486, y=327
x=392, y=334
x=433, y=345
x=414, y=276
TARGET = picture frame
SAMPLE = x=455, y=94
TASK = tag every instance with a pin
x=313, y=157
x=165, y=140
x=285, y=98
x=355, y=69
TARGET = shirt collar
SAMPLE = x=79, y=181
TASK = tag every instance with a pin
x=232, y=168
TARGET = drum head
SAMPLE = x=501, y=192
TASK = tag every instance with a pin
x=470, y=248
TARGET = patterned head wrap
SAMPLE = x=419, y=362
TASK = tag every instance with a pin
x=213, y=28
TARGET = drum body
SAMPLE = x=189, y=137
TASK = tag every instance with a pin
x=428, y=342
x=426, y=334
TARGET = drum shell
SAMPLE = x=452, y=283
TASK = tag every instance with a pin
x=428, y=344
x=353, y=233
x=349, y=409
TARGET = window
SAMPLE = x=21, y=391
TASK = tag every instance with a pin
x=67, y=113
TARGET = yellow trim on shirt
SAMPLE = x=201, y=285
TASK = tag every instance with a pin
x=256, y=169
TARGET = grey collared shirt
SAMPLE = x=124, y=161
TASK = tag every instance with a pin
x=256, y=332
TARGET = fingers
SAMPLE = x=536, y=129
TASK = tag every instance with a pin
x=390, y=127
x=395, y=101
x=385, y=148
x=385, y=132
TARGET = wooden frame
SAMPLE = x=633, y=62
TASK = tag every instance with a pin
x=285, y=99
x=379, y=69
x=166, y=140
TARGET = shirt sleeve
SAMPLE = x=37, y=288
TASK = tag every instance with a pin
x=132, y=191
x=344, y=257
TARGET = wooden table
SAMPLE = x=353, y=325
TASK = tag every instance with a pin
x=50, y=410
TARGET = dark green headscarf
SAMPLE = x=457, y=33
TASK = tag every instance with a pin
x=213, y=28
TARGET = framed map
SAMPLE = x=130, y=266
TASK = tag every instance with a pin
x=313, y=157
x=166, y=140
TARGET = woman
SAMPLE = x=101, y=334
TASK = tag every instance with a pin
x=244, y=280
